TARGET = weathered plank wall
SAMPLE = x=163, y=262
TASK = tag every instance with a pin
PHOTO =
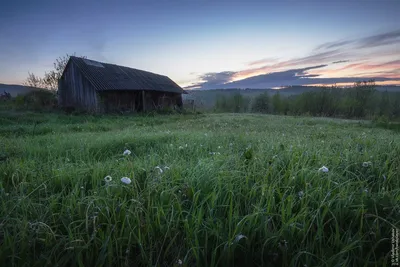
x=127, y=100
x=76, y=91
x=161, y=100
x=122, y=100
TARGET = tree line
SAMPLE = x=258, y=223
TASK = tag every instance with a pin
x=362, y=100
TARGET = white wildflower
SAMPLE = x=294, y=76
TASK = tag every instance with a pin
x=239, y=237
x=127, y=152
x=180, y=147
x=219, y=147
x=159, y=169
x=108, y=179
x=300, y=194
x=367, y=164
x=179, y=262
x=323, y=169
x=126, y=180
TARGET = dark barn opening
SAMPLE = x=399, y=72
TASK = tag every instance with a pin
x=101, y=87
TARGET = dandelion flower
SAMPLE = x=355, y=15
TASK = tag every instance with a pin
x=108, y=179
x=323, y=169
x=239, y=237
x=159, y=169
x=367, y=164
x=127, y=152
x=126, y=180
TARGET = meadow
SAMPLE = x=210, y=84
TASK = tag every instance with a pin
x=206, y=190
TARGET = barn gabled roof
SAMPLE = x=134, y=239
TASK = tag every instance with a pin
x=105, y=76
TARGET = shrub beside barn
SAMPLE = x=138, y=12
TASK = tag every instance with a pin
x=101, y=87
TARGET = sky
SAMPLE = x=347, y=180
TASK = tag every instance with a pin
x=203, y=44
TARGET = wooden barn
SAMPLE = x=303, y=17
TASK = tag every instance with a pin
x=101, y=87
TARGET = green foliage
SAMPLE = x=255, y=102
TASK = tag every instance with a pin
x=240, y=190
x=261, y=104
x=360, y=101
x=235, y=103
x=39, y=100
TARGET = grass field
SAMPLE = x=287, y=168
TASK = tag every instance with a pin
x=207, y=190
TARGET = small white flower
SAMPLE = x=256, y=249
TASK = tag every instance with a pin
x=219, y=147
x=323, y=169
x=186, y=145
x=367, y=164
x=239, y=237
x=127, y=152
x=159, y=169
x=180, y=147
x=180, y=262
x=82, y=187
x=126, y=180
x=108, y=179
x=300, y=194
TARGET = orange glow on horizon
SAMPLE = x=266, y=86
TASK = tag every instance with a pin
x=395, y=83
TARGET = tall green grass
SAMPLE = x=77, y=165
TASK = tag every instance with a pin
x=239, y=190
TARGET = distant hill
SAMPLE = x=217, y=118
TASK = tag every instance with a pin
x=207, y=98
x=15, y=89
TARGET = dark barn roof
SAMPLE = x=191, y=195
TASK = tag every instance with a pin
x=104, y=76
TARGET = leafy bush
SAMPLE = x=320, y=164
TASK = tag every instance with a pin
x=38, y=100
x=261, y=104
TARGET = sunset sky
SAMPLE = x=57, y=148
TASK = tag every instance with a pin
x=209, y=44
